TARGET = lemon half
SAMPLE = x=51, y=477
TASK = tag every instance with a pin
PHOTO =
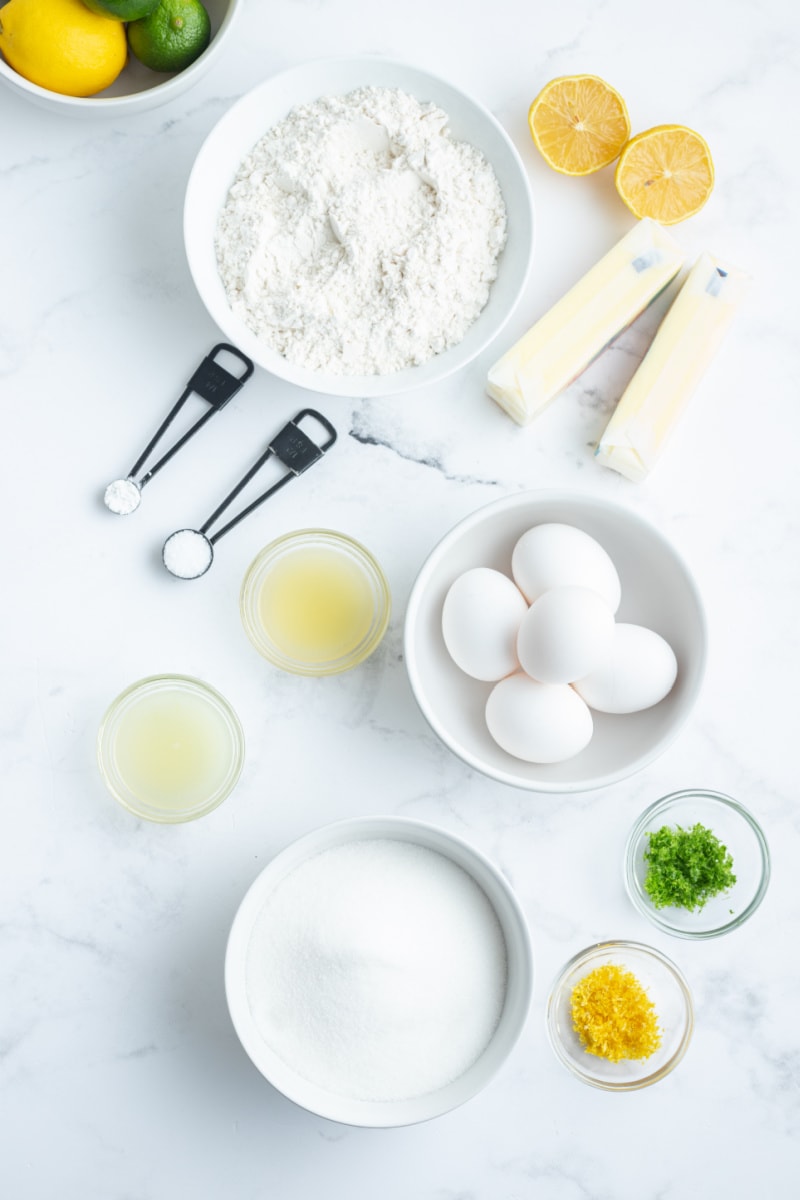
x=666, y=173
x=579, y=123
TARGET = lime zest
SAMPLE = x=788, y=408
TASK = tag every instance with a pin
x=686, y=867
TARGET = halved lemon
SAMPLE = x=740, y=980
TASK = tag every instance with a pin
x=666, y=173
x=579, y=123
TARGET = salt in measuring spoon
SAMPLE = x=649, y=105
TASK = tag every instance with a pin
x=188, y=553
x=211, y=382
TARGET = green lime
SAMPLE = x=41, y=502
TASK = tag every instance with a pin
x=172, y=37
x=123, y=10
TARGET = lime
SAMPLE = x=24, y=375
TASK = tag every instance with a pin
x=172, y=36
x=123, y=10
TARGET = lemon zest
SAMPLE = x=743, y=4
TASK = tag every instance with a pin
x=613, y=1015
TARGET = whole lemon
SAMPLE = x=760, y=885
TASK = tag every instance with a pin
x=61, y=45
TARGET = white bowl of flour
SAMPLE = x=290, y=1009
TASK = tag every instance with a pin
x=358, y=226
x=379, y=971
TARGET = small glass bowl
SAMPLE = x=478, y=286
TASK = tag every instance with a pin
x=665, y=986
x=736, y=828
x=354, y=558
x=157, y=787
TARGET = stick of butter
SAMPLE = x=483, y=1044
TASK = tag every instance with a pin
x=686, y=341
x=576, y=329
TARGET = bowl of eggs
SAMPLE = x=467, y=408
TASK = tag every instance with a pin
x=555, y=641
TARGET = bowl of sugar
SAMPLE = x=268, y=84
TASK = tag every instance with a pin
x=379, y=971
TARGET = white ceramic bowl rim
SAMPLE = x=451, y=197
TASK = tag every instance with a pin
x=255, y=112
x=518, y=990
x=547, y=497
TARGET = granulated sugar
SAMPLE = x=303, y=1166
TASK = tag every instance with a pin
x=359, y=237
x=377, y=970
x=187, y=553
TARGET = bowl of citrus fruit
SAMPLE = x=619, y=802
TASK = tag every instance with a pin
x=89, y=57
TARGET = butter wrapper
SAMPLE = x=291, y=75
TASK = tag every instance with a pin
x=578, y=327
x=684, y=346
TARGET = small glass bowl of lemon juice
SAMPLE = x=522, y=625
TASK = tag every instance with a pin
x=315, y=602
x=170, y=748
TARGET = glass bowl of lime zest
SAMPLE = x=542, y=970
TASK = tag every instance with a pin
x=697, y=864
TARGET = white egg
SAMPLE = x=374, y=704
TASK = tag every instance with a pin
x=565, y=634
x=480, y=619
x=555, y=555
x=639, y=671
x=538, y=722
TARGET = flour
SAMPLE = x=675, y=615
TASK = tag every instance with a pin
x=359, y=237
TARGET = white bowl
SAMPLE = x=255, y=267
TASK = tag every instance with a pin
x=519, y=981
x=242, y=126
x=657, y=591
x=137, y=88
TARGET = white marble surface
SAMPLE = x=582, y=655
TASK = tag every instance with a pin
x=121, y=1076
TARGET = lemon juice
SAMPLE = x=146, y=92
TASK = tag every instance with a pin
x=170, y=748
x=315, y=602
x=316, y=605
